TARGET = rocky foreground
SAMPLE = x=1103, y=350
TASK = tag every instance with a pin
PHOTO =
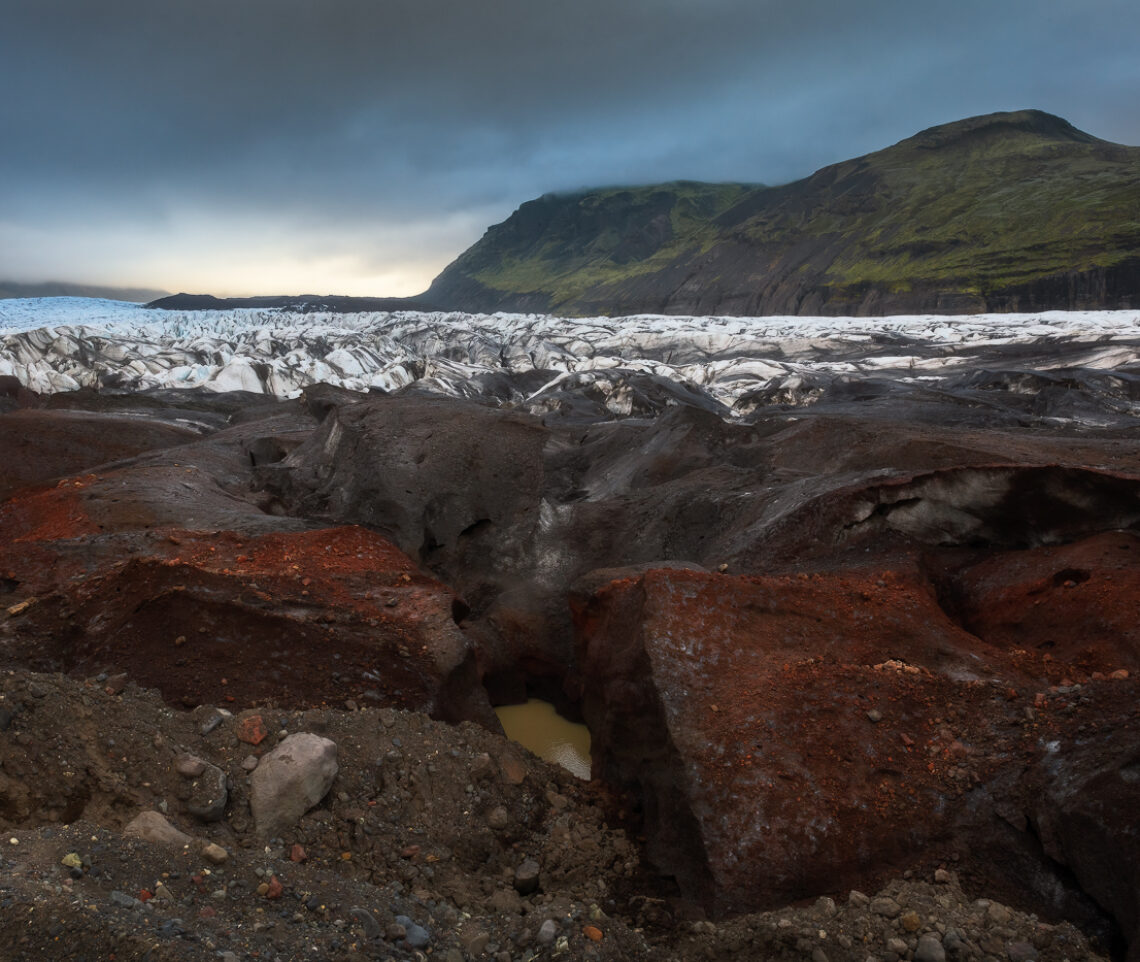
x=874, y=636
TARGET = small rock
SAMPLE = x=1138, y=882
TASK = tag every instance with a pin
x=252, y=730
x=124, y=901
x=215, y=853
x=942, y=877
x=998, y=913
x=116, y=683
x=826, y=906
x=415, y=935
x=153, y=827
x=818, y=955
x=499, y=818
x=367, y=922
x=274, y=888
x=527, y=877
x=897, y=945
x=297, y=853
x=250, y=762
x=910, y=921
x=475, y=943
x=512, y=767
x=505, y=901
x=547, y=931
x=72, y=860
x=210, y=724
x=593, y=933
x=482, y=767
x=1021, y=952
x=162, y=892
x=208, y=794
x=885, y=906
x=875, y=715
x=929, y=949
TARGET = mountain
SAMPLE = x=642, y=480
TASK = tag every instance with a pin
x=13, y=289
x=302, y=303
x=1009, y=211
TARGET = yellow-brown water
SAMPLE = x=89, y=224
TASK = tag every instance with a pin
x=537, y=726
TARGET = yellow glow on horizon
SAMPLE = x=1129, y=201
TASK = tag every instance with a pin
x=241, y=257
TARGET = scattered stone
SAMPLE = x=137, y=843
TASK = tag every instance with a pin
x=593, y=933
x=998, y=913
x=162, y=892
x=189, y=766
x=252, y=730
x=415, y=935
x=208, y=795
x=475, y=942
x=910, y=921
x=512, y=767
x=297, y=853
x=885, y=906
x=942, y=877
x=274, y=889
x=72, y=860
x=215, y=853
x=930, y=949
x=482, y=767
x=1021, y=952
x=875, y=715
x=153, y=827
x=116, y=683
x=547, y=931
x=290, y=780
x=499, y=818
x=367, y=922
x=826, y=906
x=527, y=877
x=123, y=900
x=210, y=724
x=250, y=762
x=20, y=607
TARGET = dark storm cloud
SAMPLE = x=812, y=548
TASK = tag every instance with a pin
x=333, y=116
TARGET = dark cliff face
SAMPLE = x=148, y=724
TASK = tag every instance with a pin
x=1012, y=211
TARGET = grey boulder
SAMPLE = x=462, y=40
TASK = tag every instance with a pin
x=290, y=780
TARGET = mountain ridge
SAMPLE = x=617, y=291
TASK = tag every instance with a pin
x=1007, y=211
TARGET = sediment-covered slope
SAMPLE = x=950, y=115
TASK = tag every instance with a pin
x=1008, y=211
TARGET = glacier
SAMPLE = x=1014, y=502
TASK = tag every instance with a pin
x=733, y=365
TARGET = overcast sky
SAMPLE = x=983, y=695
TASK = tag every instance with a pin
x=358, y=146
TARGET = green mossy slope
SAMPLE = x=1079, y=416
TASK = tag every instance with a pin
x=1007, y=211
